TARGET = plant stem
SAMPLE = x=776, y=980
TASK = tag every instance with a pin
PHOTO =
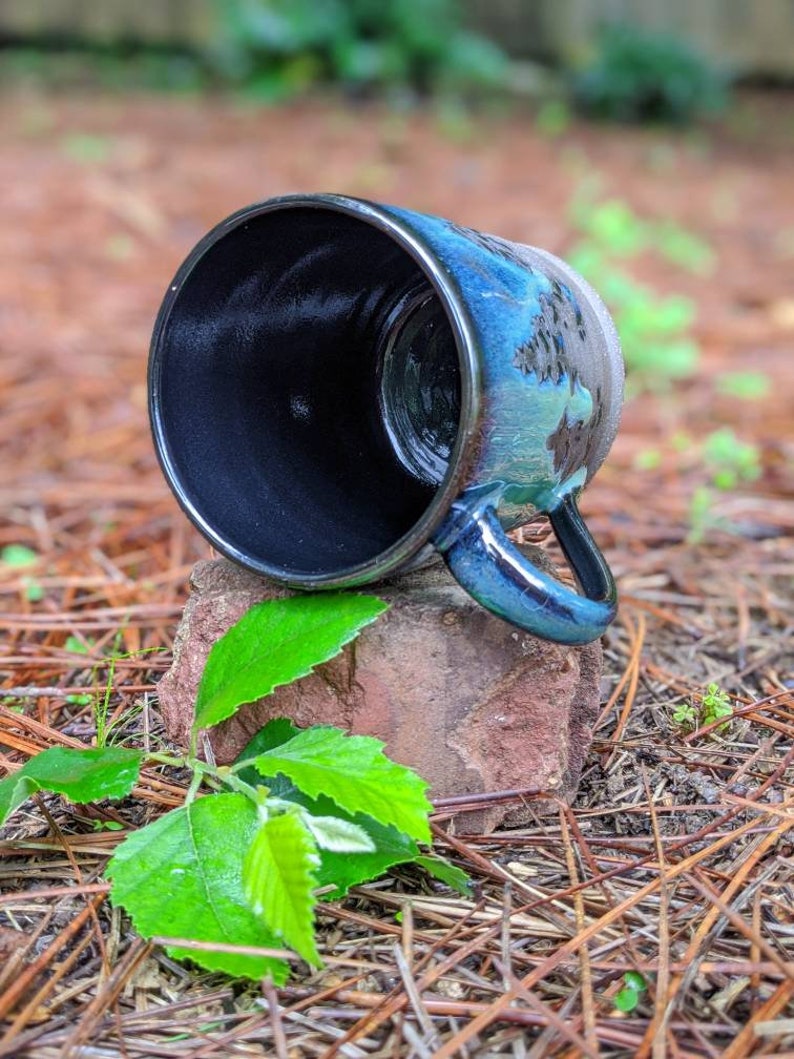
x=195, y=783
x=193, y=749
x=167, y=759
x=227, y=777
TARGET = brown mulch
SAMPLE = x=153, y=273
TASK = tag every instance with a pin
x=677, y=859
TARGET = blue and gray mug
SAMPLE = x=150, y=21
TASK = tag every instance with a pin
x=339, y=387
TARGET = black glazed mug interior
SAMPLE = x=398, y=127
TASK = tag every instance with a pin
x=308, y=392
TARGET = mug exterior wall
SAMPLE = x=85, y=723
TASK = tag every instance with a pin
x=551, y=368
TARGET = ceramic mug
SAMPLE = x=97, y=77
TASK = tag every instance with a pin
x=337, y=387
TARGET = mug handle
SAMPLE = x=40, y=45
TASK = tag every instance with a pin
x=491, y=569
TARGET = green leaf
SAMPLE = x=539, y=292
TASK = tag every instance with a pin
x=275, y=732
x=82, y=775
x=337, y=835
x=634, y=980
x=626, y=999
x=18, y=555
x=277, y=642
x=339, y=870
x=746, y=385
x=279, y=881
x=78, y=646
x=34, y=593
x=355, y=773
x=182, y=876
x=449, y=874
x=342, y=870
x=685, y=715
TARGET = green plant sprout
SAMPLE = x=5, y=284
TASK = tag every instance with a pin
x=628, y=996
x=730, y=462
x=639, y=74
x=746, y=385
x=17, y=557
x=654, y=330
x=100, y=700
x=241, y=862
x=714, y=705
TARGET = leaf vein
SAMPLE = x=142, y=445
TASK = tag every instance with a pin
x=204, y=878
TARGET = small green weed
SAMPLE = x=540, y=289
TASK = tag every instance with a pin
x=101, y=702
x=17, y=557
x=298, y=812
x=79, y=699
x=654, y=330
x=641, y=75
x=730, y=463
x=628, y=996
x=729, y=460
x=715, y=704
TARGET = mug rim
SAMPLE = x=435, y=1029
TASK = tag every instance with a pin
x=456, y=311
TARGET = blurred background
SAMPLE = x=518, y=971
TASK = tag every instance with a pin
x=649, y=144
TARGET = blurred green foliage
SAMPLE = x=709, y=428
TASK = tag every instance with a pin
x=280, y=48
x=277, y=49
x=553, y=118
x=730, y=461
x=746, y=385
x=654, y=329
x=74, y=64
x=638, y=75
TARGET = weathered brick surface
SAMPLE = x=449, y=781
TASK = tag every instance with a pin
x=472, y=703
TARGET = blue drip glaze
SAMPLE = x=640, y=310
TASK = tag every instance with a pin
x=514, y=474
x=522, y=409
x=499, y=577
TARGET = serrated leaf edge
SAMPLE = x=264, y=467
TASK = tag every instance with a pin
x=35, y=783
x=276, y=763
x=312, y=860
x=201, y=958
x=201, y=722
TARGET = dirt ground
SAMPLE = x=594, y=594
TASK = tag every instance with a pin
x=676, y=860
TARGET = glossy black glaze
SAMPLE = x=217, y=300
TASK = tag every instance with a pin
x=270, y=383
x=493, y=570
